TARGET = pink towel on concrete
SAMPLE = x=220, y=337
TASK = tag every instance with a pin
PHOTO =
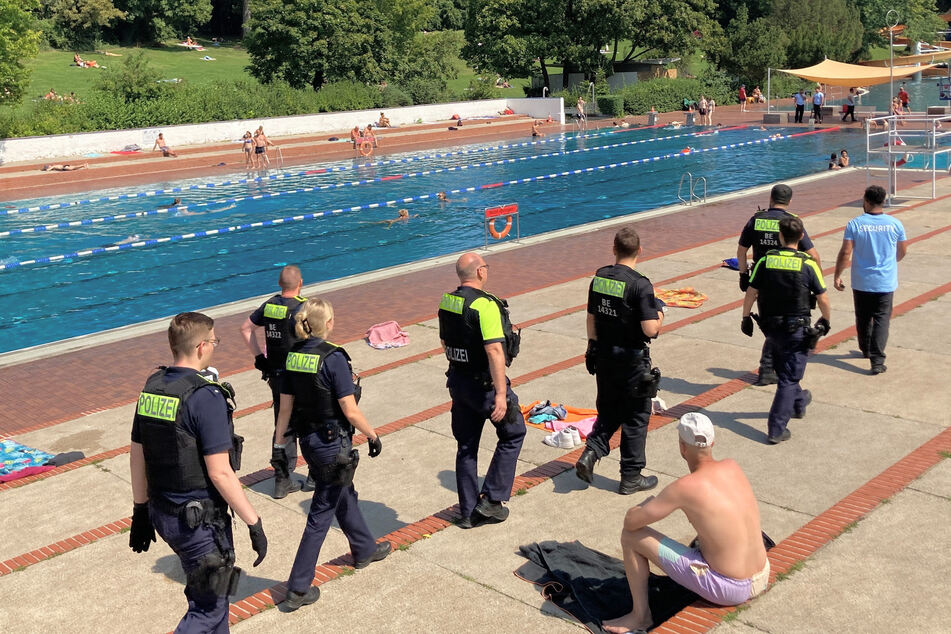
x=387, y=335
x=24, y=472
x=584, y=426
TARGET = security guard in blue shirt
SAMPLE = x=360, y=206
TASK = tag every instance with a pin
x=623, y=316
x=762, y=234
x=782, y=284
x=319, y=401
x=276, y=316
x=183, y=459
x=479, y=343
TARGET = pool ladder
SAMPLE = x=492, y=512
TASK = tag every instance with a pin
x=692, y=185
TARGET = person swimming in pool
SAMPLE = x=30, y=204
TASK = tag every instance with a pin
x=174, y=203
x=401, y=216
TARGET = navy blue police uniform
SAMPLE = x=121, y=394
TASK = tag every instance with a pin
x=761, y=233
x=318, y=374
x=620, y=298
x=785, y=280
x=469, y=319
x=180, y=418
x=276, y=316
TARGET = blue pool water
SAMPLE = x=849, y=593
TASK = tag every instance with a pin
x=47, y=302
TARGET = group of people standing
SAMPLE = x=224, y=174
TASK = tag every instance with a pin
x=255, y=149
x=185, y=453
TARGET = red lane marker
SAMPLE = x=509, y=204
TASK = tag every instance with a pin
x=832, y=129
x=320, y=171
x=392, y=178
x=491, y=186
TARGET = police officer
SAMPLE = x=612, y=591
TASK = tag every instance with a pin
x=276, y=316
x=183, y=457
x=479, y=341
x=623, y=316
x=781, y=285
x=762, y=234
x=319, y=391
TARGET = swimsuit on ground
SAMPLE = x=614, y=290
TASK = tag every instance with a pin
x=688, y=568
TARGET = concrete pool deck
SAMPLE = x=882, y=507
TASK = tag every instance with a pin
x=870, y=447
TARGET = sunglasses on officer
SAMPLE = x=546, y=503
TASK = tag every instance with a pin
x=214, y=342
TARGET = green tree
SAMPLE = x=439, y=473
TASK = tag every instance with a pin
x=818, y=29
x=157, y=20
x=19, y=42
x=311, y=42
x=920, y=18
x=753, y=47
x=78, y=23
x=509, y=36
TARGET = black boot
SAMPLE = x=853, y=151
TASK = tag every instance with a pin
x=585, y=465
x=284, y=485
x=636, y=483
x=297, y=599
x=767, y=376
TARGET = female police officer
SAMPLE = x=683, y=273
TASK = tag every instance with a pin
x=319, y=396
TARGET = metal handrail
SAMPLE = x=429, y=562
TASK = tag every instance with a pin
x=689, y=177
x=693, y=189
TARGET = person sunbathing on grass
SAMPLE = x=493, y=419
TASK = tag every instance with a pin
x=729, y=564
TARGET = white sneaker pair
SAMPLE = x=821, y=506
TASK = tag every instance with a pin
x=567, y=438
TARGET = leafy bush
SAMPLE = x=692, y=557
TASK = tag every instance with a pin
x=425, y=90
x=668, y=94
x=611, y=105
x=481, y=88
x=347, y=95
x=394, y=97
x=133, y=80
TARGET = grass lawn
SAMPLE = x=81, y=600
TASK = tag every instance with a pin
x=54, y=69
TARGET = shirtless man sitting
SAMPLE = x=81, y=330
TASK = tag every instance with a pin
x=730, y=565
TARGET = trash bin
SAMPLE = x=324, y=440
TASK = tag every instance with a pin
x=651, y=118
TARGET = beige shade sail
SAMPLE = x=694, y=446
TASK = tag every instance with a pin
x=847, y=75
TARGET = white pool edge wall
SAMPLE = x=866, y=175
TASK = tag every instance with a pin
x=81, y=342
x=53, y=146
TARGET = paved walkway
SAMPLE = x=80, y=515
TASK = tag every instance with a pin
x=835, y=497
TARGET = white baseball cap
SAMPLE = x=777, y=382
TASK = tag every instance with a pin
x=696, y=430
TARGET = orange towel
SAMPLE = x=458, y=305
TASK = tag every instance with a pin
x=686, y=297
x=572, y=413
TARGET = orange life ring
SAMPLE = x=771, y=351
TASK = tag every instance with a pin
x=498, y=235
x=366, y=148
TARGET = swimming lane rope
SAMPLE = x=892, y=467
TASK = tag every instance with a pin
x=326, y=170
x=410, y=199
x=303, y=190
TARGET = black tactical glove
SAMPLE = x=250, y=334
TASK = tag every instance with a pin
x=746, y=326
x=823, y=326
x=279, y=461
x=142, y=531
x=375, y=445
x=744, y=281
x=260, y=363
x=590, y=363
x=258, y=541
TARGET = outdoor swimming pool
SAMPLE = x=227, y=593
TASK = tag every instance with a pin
x=188, y=262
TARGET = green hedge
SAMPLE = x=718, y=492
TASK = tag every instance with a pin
x=611, y=105
x=185, y=103
x=668, y=94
